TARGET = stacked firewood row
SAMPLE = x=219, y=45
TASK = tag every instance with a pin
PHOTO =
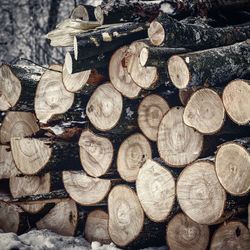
x=141, y=138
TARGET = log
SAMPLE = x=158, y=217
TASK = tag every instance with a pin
x=13, y=218
x=236, y=100
x=61, y=219
x=200, y=194
x=41, y=155
x=150, y=113
x=83, y=12
x=157, y=56
x=168, y=32
x=119, y=75
x=231, y=235
x=85, y=190
x=96, y=153
x=183, y=233
x=17, y=124
x=145, y=77
x=30, y=185
x=232, y=165
x=205, y=111
x=185, y=94
x=107, y=39
x=178, y=144
x=209, y=66
x=155, y=187
x=126, y=216
x=96, y=227
x=132, y=154
x=8, y=168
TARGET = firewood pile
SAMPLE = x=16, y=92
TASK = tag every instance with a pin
x=141, y=137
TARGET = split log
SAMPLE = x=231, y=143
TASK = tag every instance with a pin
x=30, y=185
x=61, y=219
x=232, y=165
x=200, y=194
x=230, y=236
x=155, y=187
x=107, y=39
x=183, y=233
x=13, y=218
x=132, y=154
x=214, y=66
x=178, y=144
x=126, y=216
x=204, y=111
x=236, y=100
x=168, y=32
x=8, y=167
x=33, y=156
x=85, y=190
x=96, y=227
x=96, y=153
x=17, y=124
x=150, y=113
x=157, y=56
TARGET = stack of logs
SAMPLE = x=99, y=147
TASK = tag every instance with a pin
x=141, y=138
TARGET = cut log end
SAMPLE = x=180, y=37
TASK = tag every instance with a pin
x=183, y=233
x=96, y=227
x=10, y=88
x=200, y=194
x=230, y=236
x=150, y=113
x=232, y=164
x=156, y=33
x=155, y=187
x=126, y=216
x=104, y=108
x=178, y=144
x=61, y=219
x=80, y=12
x=178, y=72
x=99, y=14
x=85, y=190
x=236, y=99
x=144, y=56
x=205, y=111
x=96, y=153
x=132, y=154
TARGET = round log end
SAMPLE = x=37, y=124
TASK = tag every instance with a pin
x=144, y=56
x=232, y=164
x=80, y=12
x=99, y=14
x=200, y=194
x=178, y=72
x=156, y=33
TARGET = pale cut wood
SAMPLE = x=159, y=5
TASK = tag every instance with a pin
x=236, y=99
x=85, y=190
x=30, y=185
x=178, y=144
x=29, y=152
x=8, y=167
x=126, y=216
x=51, y=96
x=80, y=12
x=104, y=107
x=132, y=154
x=10, y=88
x=96, y=227
x=96, y=153
x=145, y=77
x=150, y=113
x=17, y=124
x=204, y=111
x=61, y=219
x=156, y=33
x=232, y=165
x=119, y=76
x=184, y=234
x=155, y=187
x=200, y=194
x=231, y=236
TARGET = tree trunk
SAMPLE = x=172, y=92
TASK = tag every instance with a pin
x=215, y=66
